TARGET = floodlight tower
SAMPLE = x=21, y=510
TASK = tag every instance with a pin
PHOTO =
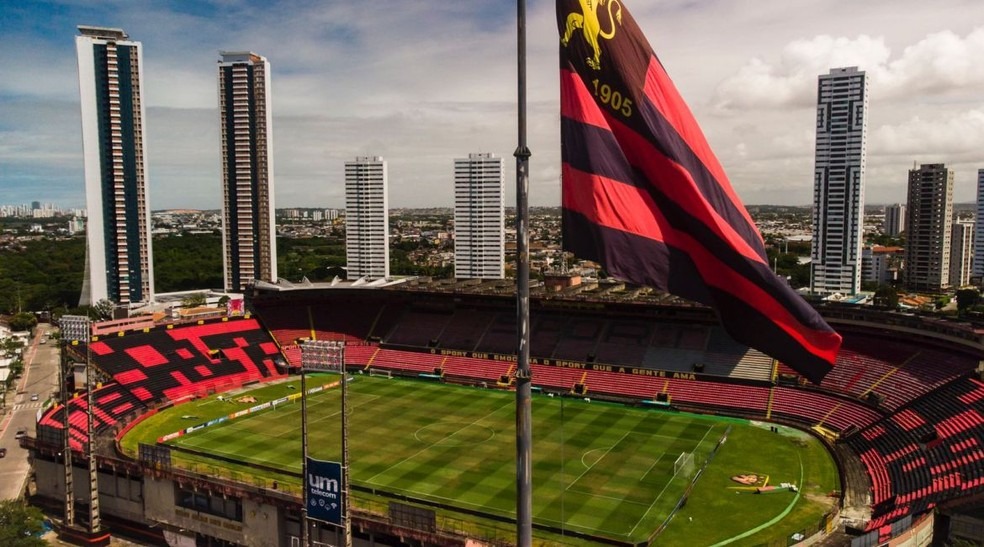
x=326, y=355
x=73, y=330
x=81, y=328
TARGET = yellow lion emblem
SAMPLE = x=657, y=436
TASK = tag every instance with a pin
x=589, y=23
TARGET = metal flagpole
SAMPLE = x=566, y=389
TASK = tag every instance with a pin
x=304, y=456
x=524, y=414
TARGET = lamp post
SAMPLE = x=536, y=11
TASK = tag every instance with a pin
x=328, y=355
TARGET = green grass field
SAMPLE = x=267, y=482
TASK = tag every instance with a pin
x=599, y=469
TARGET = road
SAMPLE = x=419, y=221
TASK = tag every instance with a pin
x=40, y=377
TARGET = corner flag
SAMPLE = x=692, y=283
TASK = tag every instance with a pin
x=644, y=195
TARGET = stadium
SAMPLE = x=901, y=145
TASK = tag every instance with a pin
x=651, y=425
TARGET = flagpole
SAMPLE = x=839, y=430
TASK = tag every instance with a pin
x=524, y=415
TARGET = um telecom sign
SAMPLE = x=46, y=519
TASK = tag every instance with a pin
x=324, y=491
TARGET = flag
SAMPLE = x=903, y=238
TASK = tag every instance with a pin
x=644, y=195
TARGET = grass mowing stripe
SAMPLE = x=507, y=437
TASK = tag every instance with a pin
x=644, y=515
x=456, y=458
x=422, y=450
x=609, y=449
x=646, y=474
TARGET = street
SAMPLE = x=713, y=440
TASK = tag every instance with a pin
x=40, y=377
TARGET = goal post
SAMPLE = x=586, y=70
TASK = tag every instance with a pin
x=386, y=373
x=684, y=464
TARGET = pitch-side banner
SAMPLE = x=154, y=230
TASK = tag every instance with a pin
x=324, y=491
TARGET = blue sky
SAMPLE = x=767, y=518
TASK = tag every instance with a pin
x=421, y=83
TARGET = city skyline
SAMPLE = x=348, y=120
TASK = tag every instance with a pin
x=353, y=80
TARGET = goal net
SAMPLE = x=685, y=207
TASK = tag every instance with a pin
x=377, y=372
x=684, y=464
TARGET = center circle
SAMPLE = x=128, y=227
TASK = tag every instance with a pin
x=454, y=434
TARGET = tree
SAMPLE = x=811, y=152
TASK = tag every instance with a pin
x=23, y=321
x=193, y=300
x=967, y=299
x=104, y=309
x=10, y=346
x=20, y=524
x=886, y=296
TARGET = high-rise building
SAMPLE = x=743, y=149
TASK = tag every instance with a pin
x=894, y=219
x=880, y=264
x=479, y=217
x=249, y=230
x=838, y=182
x=961, y=252
x=978, y=263
x=928, y=228
x=366, y=218
x=118, y=253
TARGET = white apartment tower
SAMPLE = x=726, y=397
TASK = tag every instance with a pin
x=894, y=219
x=928, y=228
x=249, y=232
x=118, y=247
x=978, y=263
x=366, y=218
x=838, y=182
x=961, y=253
x=479, y=217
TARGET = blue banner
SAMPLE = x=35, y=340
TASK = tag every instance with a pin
x=324, y=491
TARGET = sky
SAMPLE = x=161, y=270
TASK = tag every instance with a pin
x=421, y=83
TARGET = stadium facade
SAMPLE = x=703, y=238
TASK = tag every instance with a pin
x=838, y=182
x=249, y=232
x=118, y=246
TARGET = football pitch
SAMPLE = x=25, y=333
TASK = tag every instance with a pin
x=598, y=469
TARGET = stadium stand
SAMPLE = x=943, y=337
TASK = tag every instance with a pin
x=466, y=328
x=352, y=325
x=926, y=453
x=545, y=333
x=817, y=408
x=169, y=364
x=624, y=342
x=500, y=337
x=113, y=403
x=578, y=340
x=419, y=327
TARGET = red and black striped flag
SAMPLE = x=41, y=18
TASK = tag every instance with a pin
x=644, y=195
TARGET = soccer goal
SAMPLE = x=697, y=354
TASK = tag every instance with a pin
x=684, y=464
x=377, y=372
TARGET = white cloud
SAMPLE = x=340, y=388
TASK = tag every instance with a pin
x=954, y=135
x=942, y=62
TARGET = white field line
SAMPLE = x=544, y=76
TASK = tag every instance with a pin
x=428, y=447
x=653, y=504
